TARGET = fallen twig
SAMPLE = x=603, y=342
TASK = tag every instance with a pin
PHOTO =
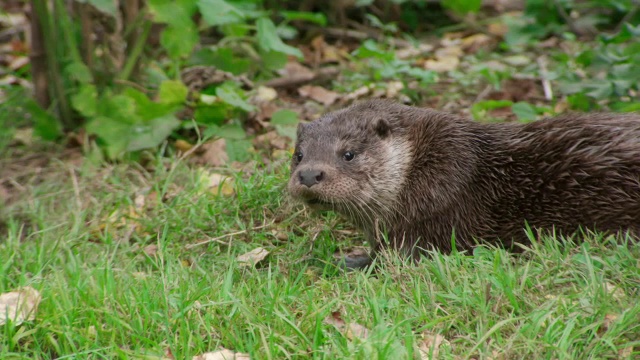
x=217, y=239
x=293, y=81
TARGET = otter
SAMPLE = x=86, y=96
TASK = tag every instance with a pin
x=414, y=179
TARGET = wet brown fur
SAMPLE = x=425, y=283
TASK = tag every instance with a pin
x=419, y=174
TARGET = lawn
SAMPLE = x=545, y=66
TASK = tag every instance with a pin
x=133, y=263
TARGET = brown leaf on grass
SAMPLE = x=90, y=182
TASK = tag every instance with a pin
x=517, y=90
x=296, y=70
x=18, y=62
x=212, y=153
x=442, y=64
x=253, y=257
x=319, y=94
x=349, y=330
x=614, y=291
x=498, y=29
x=151, y=250
x=223, y=354
x=272, y=139
x=324, y=53
x=446, y=58
x=4, y=194
x=412, y=51
x=606, y=323
x=24, y=136
x=475, y=42
x=430, y=345
x=393, y=89
x=358, y=93
x=266, y=94
x=625, y=353
x=19, y=306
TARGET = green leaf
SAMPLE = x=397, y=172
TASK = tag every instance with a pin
x=317, y=18
x=273, y=60
x=219, y=12
x=371, y=49
x=626, y=33
x=621, y=106
x=79, y=72
x=286, y=123
x=425, y=76
x=268, y=39
x=152, y=133
x=179, y=41
x=285, y=117
x=177, y=13
x=478, y=109
x=462, y=7
x=600, y=89
x=214, y=114
x=86, y=101
x=227, y=93
x=120, y=107
x=146, y=109
x=579, y=101
x=238, y=150
x=113, y=133
x=524, y=111
x=44, y=125
x=231, y=132
x=173, y=92
x=289, y=131
x=222, y=58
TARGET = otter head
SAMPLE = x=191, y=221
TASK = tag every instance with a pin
x=353, y=161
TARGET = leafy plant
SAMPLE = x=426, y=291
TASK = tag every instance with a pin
x=603, y=72
x=90, y=87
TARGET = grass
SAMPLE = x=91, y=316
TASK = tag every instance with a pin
x=118, y=280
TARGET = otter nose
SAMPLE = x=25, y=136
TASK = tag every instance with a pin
x=310, y=177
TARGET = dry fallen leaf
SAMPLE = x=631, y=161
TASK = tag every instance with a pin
x=393, y=88
x=19, y=306
x=223, y=354
x=319, y=94
x=615, y=291
x=266, y=94
x=183, y=145
x=151, y=250
x=475, y=42
x=18, y=62
x=295, y=69
x=498, y=29
x=358, y=93
x=212, y=153
x=412, y=51
x=442, y=64
x=24, y=136
x=625, y=353
x=252, y=257
x=430, y=345
x=350, y=331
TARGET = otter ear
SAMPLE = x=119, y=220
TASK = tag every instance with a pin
x=301, y=127
x=382, y=127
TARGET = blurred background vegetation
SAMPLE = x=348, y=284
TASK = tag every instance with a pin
x=117, y=78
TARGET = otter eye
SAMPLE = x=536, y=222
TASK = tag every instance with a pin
x=298, y=156
x=348, y=155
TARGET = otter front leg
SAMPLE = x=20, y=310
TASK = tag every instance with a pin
x=353, y=260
